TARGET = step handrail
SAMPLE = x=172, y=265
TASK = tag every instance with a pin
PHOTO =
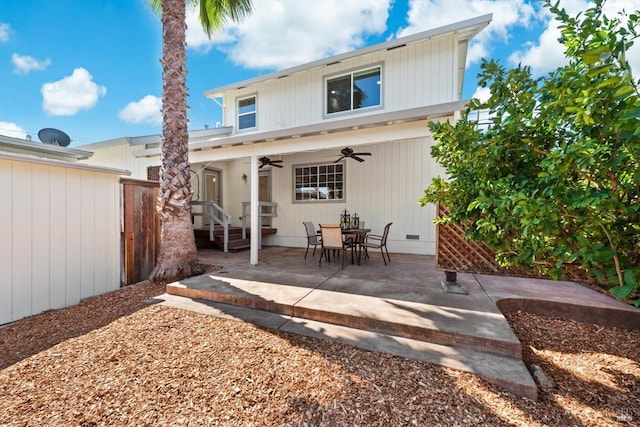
x=216, y=215
x=272, y=212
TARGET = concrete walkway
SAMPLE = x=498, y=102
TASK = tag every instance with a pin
x=400, y=308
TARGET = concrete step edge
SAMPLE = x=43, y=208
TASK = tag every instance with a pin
x=432, y=335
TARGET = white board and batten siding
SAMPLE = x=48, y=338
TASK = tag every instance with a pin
x=119, y=154
x=298, y=99
x=385, y=188
x=60, y=234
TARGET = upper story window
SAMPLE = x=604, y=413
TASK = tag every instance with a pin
x=247, y=113
x=353, y=91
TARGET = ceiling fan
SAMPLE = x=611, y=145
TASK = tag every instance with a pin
x=348, y=152
x=265, y=161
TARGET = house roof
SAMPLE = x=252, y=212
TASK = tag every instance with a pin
x=465, y=30
x=24, y=146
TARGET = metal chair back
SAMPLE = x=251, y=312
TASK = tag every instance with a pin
x=312, y=236
x=331, y=236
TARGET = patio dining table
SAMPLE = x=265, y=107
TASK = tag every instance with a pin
x=356, y=236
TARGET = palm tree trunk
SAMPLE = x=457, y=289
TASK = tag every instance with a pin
x=177, y=257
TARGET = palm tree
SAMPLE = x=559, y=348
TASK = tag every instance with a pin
x=178, y=257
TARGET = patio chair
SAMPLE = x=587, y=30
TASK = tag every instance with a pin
x=332, y=240
x=313, y=238
x=375, y=241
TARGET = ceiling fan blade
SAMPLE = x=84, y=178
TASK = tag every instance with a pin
x=276, y=165
x=339, y=159
x=361, y=154
x=261, y=166
x=354, y=157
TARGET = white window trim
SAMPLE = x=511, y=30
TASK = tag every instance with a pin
x=255, y=112
x=319, y=164
x=351, y=72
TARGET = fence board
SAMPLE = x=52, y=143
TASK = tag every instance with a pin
x=141, y=234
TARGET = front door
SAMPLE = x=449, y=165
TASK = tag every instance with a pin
x=212, y=188
x=264, y=194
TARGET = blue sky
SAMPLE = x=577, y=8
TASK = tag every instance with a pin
x=91, y=68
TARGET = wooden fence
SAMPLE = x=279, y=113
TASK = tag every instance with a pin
x=141, y=229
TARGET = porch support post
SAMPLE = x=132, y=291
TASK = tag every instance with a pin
x=255, y=211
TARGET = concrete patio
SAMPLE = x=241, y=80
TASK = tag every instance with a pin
x=400, y=308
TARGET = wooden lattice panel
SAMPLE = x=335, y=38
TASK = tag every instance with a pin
x=455, y=253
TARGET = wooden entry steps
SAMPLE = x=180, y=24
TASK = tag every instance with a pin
x=236, y=242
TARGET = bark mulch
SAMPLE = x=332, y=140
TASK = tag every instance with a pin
x=113, y=360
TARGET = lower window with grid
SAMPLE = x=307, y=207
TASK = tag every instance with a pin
x=323, y=182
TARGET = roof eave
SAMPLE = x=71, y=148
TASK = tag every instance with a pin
x=30, y=158
x=368, y=121
x=23, y=145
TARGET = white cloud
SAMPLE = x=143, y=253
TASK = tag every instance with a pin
x=12, y=130
x=482, y=93
x=547, y=53
x=542, y=56
x=507, y=14
x=147, y=110
x=611, y=9
x=282, y=33
x=71, y=94
x=4, y=32
x=196, y=37
x=23, y=64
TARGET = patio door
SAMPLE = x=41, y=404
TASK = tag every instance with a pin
x=212, y=187
x=264, y=194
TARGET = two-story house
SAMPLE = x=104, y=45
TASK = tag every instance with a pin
x=305, y=121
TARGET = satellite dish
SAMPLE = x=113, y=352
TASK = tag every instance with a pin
x=54, y=137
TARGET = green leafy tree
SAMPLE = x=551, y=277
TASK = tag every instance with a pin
x=178, y=256
x=553, y=181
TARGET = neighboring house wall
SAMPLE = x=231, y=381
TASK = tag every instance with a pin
x=60, y=234
x=118, y=153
